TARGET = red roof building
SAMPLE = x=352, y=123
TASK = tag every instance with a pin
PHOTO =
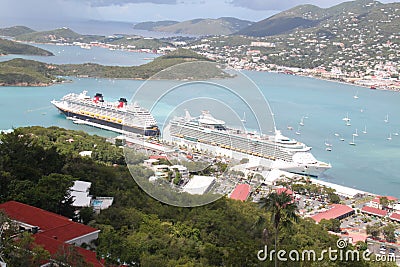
x=241, y=192
x=374, y=211
x=395, y=217
x=280, y=190
x=52, y=230
x=376, y=202
x=337, y=211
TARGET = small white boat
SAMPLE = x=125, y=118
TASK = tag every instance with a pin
x=336, y=134
x=365, y=130
x=290, y=128
x=396, y=134
x=348, y=123
x=386, y=118
x=356, y=133
x=328, y=149
x=390, y=137
x=341, y=139
x=356, y=96
x=352, y=143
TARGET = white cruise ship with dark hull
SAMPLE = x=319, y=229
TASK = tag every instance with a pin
x=117, y=116
x=275, y=151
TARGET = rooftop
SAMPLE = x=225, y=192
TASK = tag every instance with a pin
x=198, y=185
x=81, y=186
x=50, y=224
x=335, y=212
x=241, y=192
x=374, y=211
x=395, y=216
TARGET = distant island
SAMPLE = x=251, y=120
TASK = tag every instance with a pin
x=220, y=26
x=355, y=42
x=21, y=72
x=11, y=47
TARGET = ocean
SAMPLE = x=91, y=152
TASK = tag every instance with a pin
x=371, y=165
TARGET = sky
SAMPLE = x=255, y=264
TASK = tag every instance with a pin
x=48, y=12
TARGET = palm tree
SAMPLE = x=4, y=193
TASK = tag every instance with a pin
x=283, y=210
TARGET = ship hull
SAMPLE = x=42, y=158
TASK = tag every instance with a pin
x=296, y=168
x=151, y=131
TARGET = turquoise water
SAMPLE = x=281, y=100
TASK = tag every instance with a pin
x=371, y=165
x=78, y=55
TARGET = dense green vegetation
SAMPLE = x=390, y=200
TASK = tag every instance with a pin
x=37, y=164
x=147, y=70
x=22, y=72
x=11, y=47
x=62, y=35
x=15, y=30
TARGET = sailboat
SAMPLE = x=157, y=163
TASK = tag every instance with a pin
x=352, y=143
x=302, y=121
x=327, y=143
x=365, y=129
x=356, y=133
x=390, y=137
x=244, y=117
x=298, y=131
x=396, y=134
x=347, y=117
x=356, y=96
x=386, y=118
x=348, y=123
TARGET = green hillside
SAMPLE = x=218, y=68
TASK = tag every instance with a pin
x=220, y=26
x=308, y=16
x=151, y=25
x=62, y=35
x=144, y=71
x=22, y=72
x=11, y=47
x=15, y=31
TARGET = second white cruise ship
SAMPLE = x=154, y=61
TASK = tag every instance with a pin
x=280, y=152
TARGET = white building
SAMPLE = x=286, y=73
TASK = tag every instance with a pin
x=80, y=194
x=199, y=185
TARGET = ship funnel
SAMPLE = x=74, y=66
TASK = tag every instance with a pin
x=122, y=102
x=98, y=97
x=187, y=115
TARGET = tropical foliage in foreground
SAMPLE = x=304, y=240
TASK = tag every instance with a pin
x=38, y=164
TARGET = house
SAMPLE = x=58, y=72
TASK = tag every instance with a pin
x=51, y=230
x=80, y=193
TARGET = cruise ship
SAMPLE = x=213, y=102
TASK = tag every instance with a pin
x=116, y=116
x=275, y=150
